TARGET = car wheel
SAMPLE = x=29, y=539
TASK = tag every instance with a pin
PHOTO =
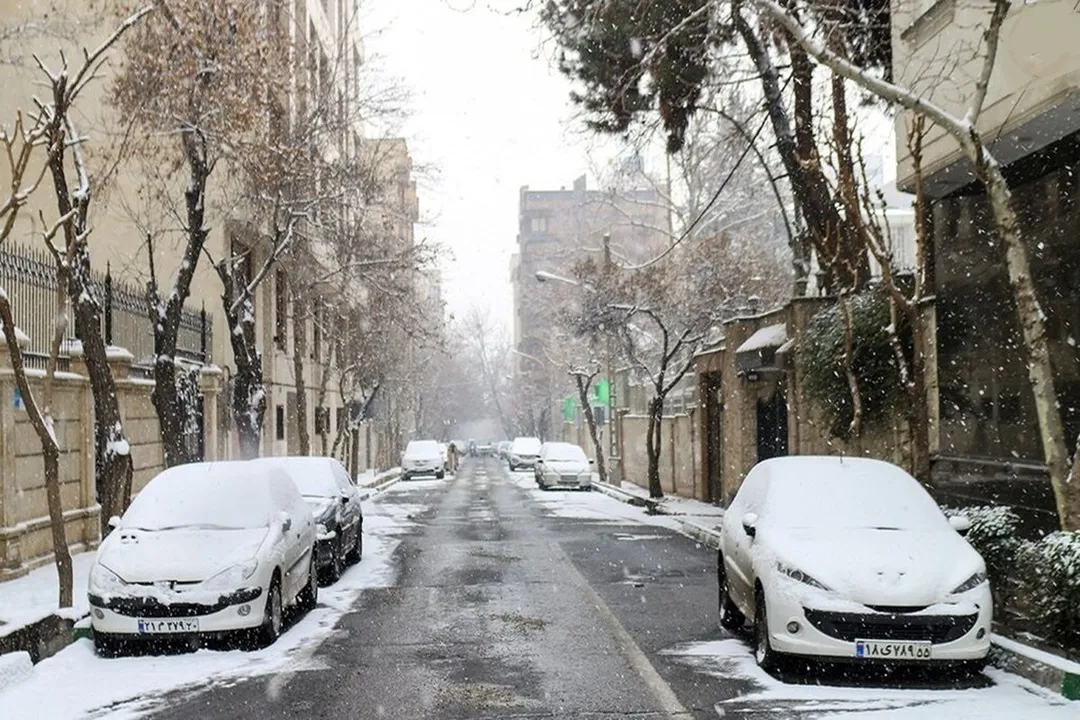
x=440, y=475
x=511, y=466
x=766, y=657
x=357, y=550
x=405, y=476
x=731, y=618
x=270, y=630
x=336, y=566
x=309, y=596
x=107, y=646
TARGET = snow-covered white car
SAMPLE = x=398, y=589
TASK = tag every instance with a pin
x=563, y=465
x=524, y=452
x=422, y=457
x=845, y=558
x=205, y=549
x=326, y=487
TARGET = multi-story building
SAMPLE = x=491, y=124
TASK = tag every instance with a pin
x=556, y=230
x=126, y=210
x=983, y=408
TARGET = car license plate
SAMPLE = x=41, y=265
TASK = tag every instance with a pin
x=892, y=650
x=169, y=625
x=568, y=481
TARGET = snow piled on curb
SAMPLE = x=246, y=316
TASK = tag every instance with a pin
x=76, y=683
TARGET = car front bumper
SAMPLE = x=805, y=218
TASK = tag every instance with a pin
x=427, y=469
x=240, y=610
x=832, y=635
x=566, y=481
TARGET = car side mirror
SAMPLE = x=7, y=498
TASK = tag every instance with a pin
x=114, y=522
x=286, y=522
x=591, y=461
x=960, y=523
x=749, y=523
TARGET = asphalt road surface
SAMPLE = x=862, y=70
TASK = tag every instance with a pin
x=505, y=608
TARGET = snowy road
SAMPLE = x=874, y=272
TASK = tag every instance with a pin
x=485, y=597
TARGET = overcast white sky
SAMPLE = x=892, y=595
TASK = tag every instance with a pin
x=491, y=116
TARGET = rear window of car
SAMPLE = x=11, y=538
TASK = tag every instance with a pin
x=423, y=448
x=564, y=452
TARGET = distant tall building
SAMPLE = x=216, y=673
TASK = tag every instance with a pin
x=559, y=228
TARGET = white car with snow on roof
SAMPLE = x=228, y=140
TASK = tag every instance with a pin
x=205, y=549
x=850, y=559
x=422, y=457
x=563, y=465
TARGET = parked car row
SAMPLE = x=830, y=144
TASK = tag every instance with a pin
x=223, y=549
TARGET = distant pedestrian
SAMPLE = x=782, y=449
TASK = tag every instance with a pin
x=452, y=457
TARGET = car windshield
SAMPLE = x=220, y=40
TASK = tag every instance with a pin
x=313, y=477
x=203, y=496
x=878, y=497
x=565, y=453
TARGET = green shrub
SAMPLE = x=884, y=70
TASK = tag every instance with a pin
x=874, y=361
x=994, y=533
x=1050, y=568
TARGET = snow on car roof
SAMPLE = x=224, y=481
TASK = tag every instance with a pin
x=312, y=475
x=814, y=491
x=526, y=444
x=563, y=451
x=214, y=495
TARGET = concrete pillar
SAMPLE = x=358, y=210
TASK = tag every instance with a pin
x=210, y=384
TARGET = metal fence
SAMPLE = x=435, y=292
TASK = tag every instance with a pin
x=28, y=276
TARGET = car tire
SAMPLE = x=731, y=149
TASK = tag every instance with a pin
x=357, y=550
x=309, y=596
x=336, y=566
x=107, y=646
x=273, y=614
x=511, y=466
x=440, y=475
x=767, y=658
x=731, y=618
x=405, y=476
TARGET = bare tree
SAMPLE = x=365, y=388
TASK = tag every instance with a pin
x=964, y=131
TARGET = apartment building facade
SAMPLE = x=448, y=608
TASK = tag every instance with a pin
x=987, y=442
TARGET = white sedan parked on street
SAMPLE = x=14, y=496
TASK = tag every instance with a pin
x=563, y=465
x=422, y=457
x=524, y=452
x=850, y=559
x=205, y=549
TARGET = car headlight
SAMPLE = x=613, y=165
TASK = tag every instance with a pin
x=800, y=576
x=103, y=579
x=233, y=577
x=971, y=583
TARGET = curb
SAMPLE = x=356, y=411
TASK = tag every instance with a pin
x=373, y=490
x=1056, y=674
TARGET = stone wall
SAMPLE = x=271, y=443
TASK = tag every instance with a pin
x=25, y=535
x=679, y=472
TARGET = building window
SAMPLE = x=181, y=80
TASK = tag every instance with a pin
x=279, y=422
x=538, y=224
x=281, y=309
x=322, y=420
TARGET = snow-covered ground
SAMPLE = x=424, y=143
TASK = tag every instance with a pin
x=675, y=505
x=76, y=683
x=1008, y=698
x=370, y=477
x=33, y=596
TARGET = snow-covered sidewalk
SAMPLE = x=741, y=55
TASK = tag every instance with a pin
x=32, y=597
x=76, y=683
x=676, y=505
x=371, y=478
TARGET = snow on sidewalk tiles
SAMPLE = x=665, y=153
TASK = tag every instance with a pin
x=76, y=683
x=1008, y=696
x=29, y=598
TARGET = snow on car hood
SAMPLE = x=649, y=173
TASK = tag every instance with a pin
x=875, y=566
x=183, y=555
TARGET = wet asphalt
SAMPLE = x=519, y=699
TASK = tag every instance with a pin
x=502, y=610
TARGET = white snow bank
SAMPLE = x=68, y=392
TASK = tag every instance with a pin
x=77, y=683
x=772, y=336
x=33, y=596
x=117, y=353
x=14, y=668
x=1008, y=698
x=1054, y=661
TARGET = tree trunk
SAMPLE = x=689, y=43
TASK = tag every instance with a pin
x=1033, y=326
x=582, y=382
x=299, y=355
x=652, y=446
x=50, y=452
x=855, y=429
x=919, y=412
